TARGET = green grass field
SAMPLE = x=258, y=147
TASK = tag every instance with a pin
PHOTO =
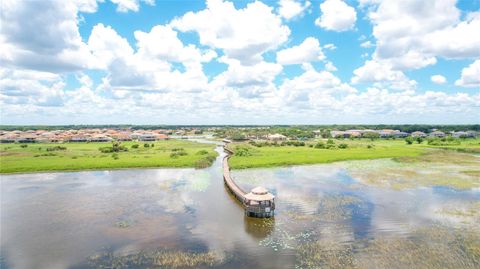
x=357, y=150
x=86, y=156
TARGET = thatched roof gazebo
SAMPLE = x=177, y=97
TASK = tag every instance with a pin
x=259, y=203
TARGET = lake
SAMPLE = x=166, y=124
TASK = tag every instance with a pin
x=185, y=218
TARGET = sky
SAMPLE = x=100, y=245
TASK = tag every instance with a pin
x=239, y=62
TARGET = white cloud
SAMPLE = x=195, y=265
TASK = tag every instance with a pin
x=163, y=43
x=470, y=76
x=47, y=40
x=31, y=87
x=329, y=46
x=243, y=34
x=438, y=79
x=303, y=89
x=308, y=51
x=292, y=8
x=130, y=5
x=366, y=44
x=251, y=77
x=382, y=72
x=411, y=34
x=150, y=68
x=107, y=46
x=336, y=16
x=330, y=67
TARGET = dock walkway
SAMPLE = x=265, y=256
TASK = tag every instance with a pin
x=258, y=203
x=232, y=186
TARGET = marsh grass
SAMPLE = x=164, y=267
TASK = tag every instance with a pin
x=155, y=259
x=467, y=213
x=430, y=247
x=435, y=168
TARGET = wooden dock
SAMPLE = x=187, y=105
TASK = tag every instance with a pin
x=257, y=204
x=232, y=186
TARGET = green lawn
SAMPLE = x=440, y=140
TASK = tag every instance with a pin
x=357, y=150
x=84, y=156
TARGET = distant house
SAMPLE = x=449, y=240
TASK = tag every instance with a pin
x=7, y=139
x=27, y=139
x=147, y=137
x=337, y=134
x=439, y=134
x=78, y=139
x=472, y=134
x=462, y=134
x=399, y=134
x=418, y=134
x=353, y=133
x=276, y=137
x=122, y=137
x=387, y=133
x=162, y=137
x=100, y=138
x=135, y=135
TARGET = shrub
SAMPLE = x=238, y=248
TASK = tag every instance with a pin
x=106, y=149
x=115, y=156
x=135, y=146
x=342, y=146
x=320, y=145
x=116, y=147
x=205, y=162
x=330, y=142
x=176, y=152
x=409, y=140
x=152, y=145
x=23, y=146
x=48, y=154
x=295, y=143
x=238, y=137
x=369, y=146
x=243, y=152
x=146, y=145
x=202, y=152
x=330, y=146
x=56, y=148
x=419, y=140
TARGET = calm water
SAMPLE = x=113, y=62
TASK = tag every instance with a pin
x=95, y=219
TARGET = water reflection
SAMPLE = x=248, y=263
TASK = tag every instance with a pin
x=186, y=218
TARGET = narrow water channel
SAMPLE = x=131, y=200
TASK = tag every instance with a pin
x=185, y=218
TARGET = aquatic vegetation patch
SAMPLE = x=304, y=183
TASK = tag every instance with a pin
x=334, y=208
x=431, y=247
x=155, y=259
x=325, y=254
x=293, y=228
x=467, y=213
x=436, y=168
x=123, y=224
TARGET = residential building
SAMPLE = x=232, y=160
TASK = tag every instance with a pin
x=439, y=134
x=419, y=134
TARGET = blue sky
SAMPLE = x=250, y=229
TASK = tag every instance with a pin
x=240, y=62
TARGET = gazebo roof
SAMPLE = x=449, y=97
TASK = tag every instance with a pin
x=259, y=194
